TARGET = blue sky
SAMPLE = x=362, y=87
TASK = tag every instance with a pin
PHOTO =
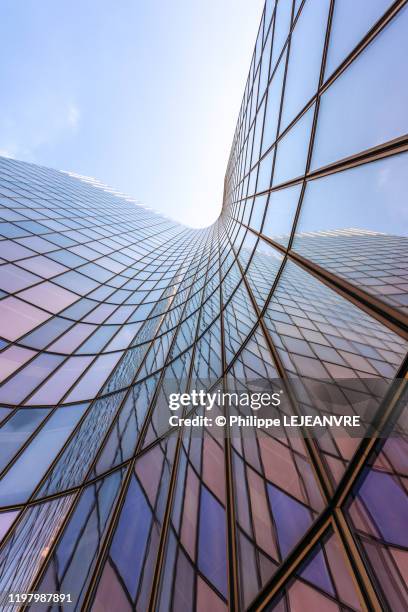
x=141, y=94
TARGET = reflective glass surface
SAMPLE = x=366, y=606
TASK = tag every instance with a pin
x=106, y=307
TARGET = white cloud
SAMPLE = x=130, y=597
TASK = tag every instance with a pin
x=73, y=116
x=45, y=122
x=7, y=153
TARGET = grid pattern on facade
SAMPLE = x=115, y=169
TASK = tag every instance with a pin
x=105, y=305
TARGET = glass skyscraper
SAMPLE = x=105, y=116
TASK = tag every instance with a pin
x=106, y=306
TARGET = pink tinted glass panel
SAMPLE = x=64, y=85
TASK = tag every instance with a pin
x=12, y=358
x=43, y=266
x=49, y=296
x=17, y=318
x=72, y=338
x=92, y=381
x=59, y=383
x=13, y=278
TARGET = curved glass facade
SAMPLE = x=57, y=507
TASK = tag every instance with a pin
x=107, y=306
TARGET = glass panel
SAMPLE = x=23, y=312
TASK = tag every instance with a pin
x=374, y=113
x=305, y=58
x=34, y=534
x=20, y=480
x=323, y=582
x=292, y=150
x=355, y=224
x=273, y=106
x=280, y=214
x=283, y=18
x=351, y=21
x=18, y=318
x=377, y=510
x=212, y=559
x=13, y=358
x=13, y=278
x=319, y=335
x=16, y=431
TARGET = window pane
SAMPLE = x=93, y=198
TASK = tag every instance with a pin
x=355, y=224
x=374, y=113
x=21, y=479
x=280, y=214
x=351, y=21
x=292, y=150
x=305, y=58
